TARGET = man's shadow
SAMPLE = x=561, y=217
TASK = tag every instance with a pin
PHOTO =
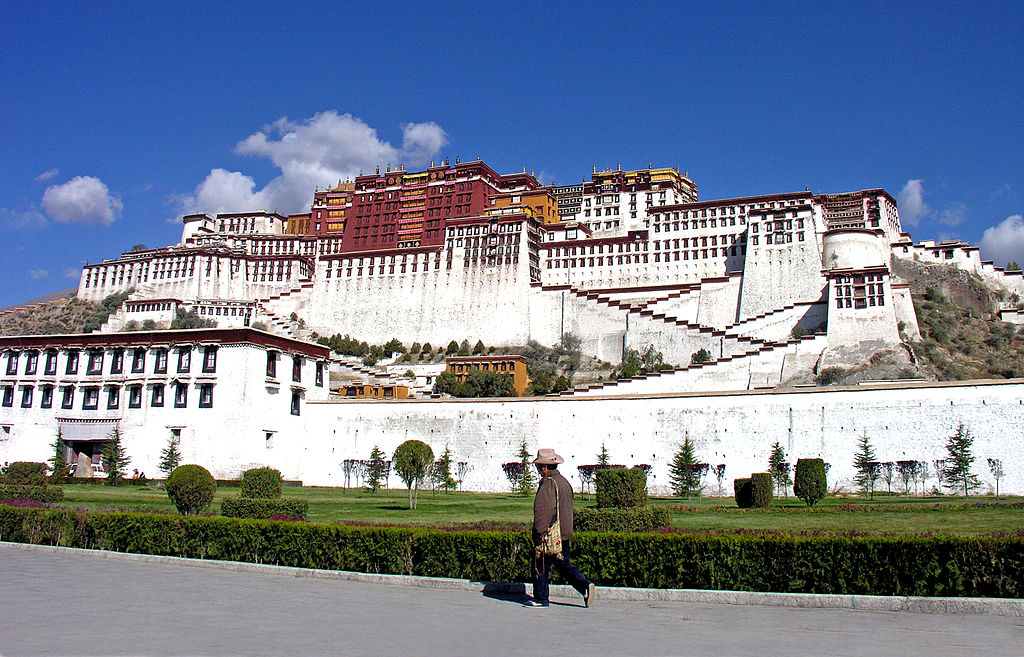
x=513, y=592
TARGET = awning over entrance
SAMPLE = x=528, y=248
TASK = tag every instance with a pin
x=86, y=430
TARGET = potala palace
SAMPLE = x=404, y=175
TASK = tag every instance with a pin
x=625, y=260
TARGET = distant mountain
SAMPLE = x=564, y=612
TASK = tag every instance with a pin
x=54, y=296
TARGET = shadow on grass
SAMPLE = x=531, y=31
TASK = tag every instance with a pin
x=393, y=507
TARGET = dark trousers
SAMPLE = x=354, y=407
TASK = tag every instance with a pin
x=542, y=566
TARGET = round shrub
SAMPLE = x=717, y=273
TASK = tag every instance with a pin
x=741, y=491
x=261, y=483
x=809, y=482
x=619, y=488
x=191, y=489
x=761, y=490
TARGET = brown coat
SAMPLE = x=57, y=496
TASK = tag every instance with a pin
x=544, y=506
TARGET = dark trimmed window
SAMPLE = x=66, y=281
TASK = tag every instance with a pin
x=206, y=395
x=184, y=359
x=95, y=363
x=67, y=396
x=26, y=396
x=157, y=399
x=113, y=397
x=12, y=363
x=50, y=367
x=209, y=359
x=46, y=397
x=134, y=396
x=297, y=369
x=8, y=396
x=272, y=364
x=90, y=398
x=160, y=366
x=138, y=361
x=72, y=364
x=320, y=375
x=117, y=361
x=296, y=402
x=31, y=362
x=180, y=395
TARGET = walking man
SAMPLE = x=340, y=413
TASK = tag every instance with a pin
x=554, y=502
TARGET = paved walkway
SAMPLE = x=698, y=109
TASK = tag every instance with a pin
x=70, y=602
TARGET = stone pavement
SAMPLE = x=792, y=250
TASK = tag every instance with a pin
x=71, y=602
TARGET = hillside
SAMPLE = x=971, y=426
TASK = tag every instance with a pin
x=68, y=315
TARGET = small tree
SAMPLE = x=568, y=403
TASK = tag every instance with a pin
x=940, y=472
x=810, y=484
x=59, y=461
x=479, y=348
x=115, y=458
x=996, y=467
x=602, y=457
x=907, y=472
x=441, y=472
x=719, y=471
x=865, y=455
x=922, y=473
x=524, y=485
x=685, y=472
x=700, y=357
x=375, y=469
x=190, y=488
x=512, y=470
x=779, y=468
x=464, y=348
x=886, y=471
x=453, y=348
x=462, y=468
x=170, y=457
x=957, y=471
x=411, y=462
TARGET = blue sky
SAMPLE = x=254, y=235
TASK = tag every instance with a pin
x=117, y=120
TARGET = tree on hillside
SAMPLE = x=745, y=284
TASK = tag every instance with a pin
x=685, y=472
x=1012, y=266
x=780, y=469
x=866, y=465
x=957, y=471
x=190, y=320
x=412, y=462
x=170, y=457
x=700, y=357
x=525, y=484
x=115, y=458
x=375, y=469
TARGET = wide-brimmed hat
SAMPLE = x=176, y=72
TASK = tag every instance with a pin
x=547, y=456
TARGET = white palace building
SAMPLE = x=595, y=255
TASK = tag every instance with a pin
x=626, y=260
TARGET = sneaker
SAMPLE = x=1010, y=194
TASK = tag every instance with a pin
x=535, y=603
x=590, y=595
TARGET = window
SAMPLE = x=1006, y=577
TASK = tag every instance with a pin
x=31, y=362
x=320, y=375
x=12, y=363
x=50, y=368
x=8, y=396
x=184, y=359
x=113, y=397
x=209, y=359
x=95, y=363
x=46, y=397
x=157, y=398
x=296, y=397
x=271, y=364
x=297, y=369
x=26, y=396
x=134, y=396
x=160, y=366
x=72, y=364
x=90, y=398
x=67, y=396
x=117, y=361
x=138, y=361
x=206, y=395
x=180, y=395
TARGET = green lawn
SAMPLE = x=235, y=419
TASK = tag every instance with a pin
x=884, y=515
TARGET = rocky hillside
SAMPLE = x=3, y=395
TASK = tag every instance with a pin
x=69, y=315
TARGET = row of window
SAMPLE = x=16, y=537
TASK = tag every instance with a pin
x=95, y=358
x=91, y=396
x=297, y=361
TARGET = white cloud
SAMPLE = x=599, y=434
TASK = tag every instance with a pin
x=46, y=175
x=71, y=272
x=82, y=200
x=954, y=215
x=911, y=203
x=316, y=152
x=30, y=218
x=1004, y=241
x=38, y=274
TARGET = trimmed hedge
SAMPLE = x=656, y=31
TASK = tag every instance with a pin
x=37, y=493
x=244, y=507
x=190, y=488
x=905, y=566
x=741, y=488
x=26, y=473
x=761, y=490
x=620, y=488
x=261, y=483
x=809, y=481
x=643, y=519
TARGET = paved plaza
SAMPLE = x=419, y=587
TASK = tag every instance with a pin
x=69, y=602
